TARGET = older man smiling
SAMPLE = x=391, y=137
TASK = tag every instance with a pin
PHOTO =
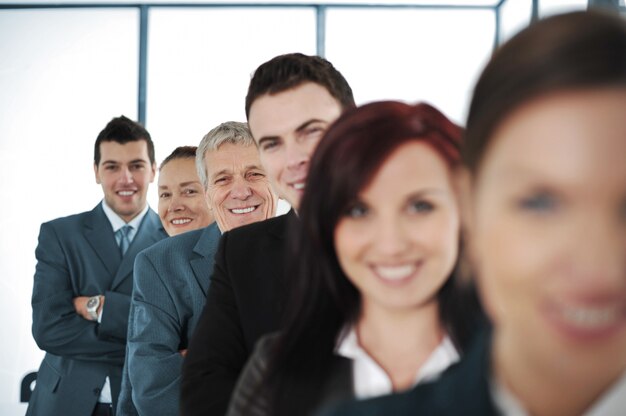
x=171, y=279
x=237, y=188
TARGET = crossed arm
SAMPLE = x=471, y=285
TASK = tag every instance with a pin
x=57, y=327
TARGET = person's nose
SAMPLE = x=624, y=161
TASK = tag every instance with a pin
x=176, y=204
x=599, y=254
x=297, y=156
x=126, y=176
x=390, y=236
x=240, y=189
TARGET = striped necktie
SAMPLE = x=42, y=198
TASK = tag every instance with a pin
x=122, y=238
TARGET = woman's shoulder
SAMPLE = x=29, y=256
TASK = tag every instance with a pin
x=266, y=344
x=250, y=396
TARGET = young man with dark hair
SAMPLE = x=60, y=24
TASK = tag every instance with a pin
x=291, y=101
x=83, y=279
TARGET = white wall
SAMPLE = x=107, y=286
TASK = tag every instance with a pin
x=63, y=75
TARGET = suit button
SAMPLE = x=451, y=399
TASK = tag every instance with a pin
x=96, y=391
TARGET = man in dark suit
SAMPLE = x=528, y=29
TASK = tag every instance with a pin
x=83, y=279
x=172, y=277
x=291, y=101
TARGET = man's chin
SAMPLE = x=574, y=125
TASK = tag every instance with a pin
x=244, y=219
x=129, y=211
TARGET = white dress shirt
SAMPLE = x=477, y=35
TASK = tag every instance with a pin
x=612, y=403
x=370, y=380
x=117, y=223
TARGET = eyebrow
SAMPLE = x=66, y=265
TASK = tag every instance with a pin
x=115, y=162
x=252, y=167
x=412, y=195
x=189, y=183
x=183, y=184
x=308, y=123
x=298, y=129
x=221, y=172
x=516, y=172
x=428, y=191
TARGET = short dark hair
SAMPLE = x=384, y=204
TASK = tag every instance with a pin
x=181, y=152
x=323, y=300
x=123, y=130
x=288, y=71
x=572, y=51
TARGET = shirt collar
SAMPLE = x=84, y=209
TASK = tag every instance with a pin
x=613, y=402
x=117, y=222
x=371, y=380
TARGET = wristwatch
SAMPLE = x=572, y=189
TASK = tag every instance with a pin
x=93, y=303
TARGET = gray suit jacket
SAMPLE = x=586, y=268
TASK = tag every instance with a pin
x=78, y=256
x=170, y=286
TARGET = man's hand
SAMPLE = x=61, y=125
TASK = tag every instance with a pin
x=183, y=352
x=80, y=306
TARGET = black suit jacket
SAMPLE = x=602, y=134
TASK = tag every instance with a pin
x=244, y=302
x=463, y=389
x=252, y=395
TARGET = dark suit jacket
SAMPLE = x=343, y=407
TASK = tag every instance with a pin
x=463, y=389
x=170, y=287
x=251, y=393
x=78, y=256
x=244, y=302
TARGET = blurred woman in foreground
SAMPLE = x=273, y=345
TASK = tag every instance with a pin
x=376, y=306
x=545, y=153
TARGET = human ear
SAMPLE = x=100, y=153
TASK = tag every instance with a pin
x=95, y=172
x=153, y=174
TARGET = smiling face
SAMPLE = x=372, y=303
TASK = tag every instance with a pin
x=548, y=231
x=287, y=127
x=125, y=172
x=238, y=190
x=182, y=201
x=398, y=243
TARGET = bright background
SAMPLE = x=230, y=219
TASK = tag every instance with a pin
x=67, y=68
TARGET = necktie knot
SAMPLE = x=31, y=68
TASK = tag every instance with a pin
x=122, y=235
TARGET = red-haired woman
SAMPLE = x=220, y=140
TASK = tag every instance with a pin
x=545, y=158
x=375, y=303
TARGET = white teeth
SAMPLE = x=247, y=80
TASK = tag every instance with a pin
x=126, y=193
x=395, y=272
x=181, y=221
x=298, y=186
x=590, y=317
x=242, y=210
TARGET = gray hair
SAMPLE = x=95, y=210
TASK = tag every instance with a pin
x=233, y=132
